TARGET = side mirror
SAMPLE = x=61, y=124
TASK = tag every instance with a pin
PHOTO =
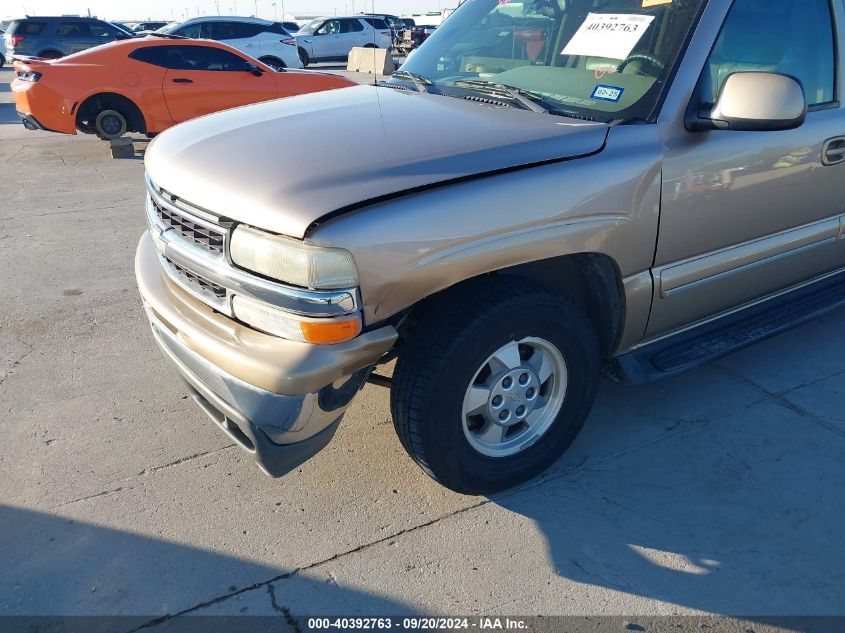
x=252, y=68
x=754, y=101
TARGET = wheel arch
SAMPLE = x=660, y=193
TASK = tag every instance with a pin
x=273, y=58
x=590, y=279
x=136, y=122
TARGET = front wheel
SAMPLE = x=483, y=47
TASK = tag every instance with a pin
x=494, y=383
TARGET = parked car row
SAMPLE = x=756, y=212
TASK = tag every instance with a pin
x=264, y=40
x=276, y=44
x=147, y=85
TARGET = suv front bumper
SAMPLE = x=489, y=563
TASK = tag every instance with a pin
x=280, y=400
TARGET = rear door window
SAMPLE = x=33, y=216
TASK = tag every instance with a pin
x=351, y=26
x=224, y=31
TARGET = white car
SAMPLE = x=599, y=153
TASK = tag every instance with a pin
x=331, y=39
x=264, y=40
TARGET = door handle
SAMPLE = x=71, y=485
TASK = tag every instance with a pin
x=182, y=80
x=833, y=151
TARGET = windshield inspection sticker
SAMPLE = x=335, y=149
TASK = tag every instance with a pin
x=612, y=35
x=607, y=93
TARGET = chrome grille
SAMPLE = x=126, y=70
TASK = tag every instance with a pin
x=197, y=282
x=201, y=235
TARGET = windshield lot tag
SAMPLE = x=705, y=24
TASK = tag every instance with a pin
x=612, y=35
x=607, y=93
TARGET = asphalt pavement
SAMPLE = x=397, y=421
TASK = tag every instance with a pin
x=716, y=492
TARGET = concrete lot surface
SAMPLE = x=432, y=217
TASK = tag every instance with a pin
x=720, y=491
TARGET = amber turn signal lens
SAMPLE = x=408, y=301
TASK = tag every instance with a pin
x=330, y=331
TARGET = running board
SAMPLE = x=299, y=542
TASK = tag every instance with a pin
x=728, y=334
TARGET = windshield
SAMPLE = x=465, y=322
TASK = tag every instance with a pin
x=604, y=59
x=169, y=28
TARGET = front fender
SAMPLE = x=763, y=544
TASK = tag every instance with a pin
x=411, y=247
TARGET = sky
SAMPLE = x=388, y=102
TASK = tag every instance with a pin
x=162, y=9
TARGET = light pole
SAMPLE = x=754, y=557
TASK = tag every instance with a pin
x=256, y=8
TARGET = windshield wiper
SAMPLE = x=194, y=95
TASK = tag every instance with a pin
x=420, y=83
x=529, y=100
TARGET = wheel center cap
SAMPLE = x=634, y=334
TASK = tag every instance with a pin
x=513, y=396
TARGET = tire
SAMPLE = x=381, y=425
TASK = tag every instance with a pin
x=450, y=346
x=51, y=55
x=110, y=124
x=273, y=62
x=2, y=60
x=303, y=57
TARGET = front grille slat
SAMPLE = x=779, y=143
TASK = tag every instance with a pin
x=207, y=238
x=196, y=281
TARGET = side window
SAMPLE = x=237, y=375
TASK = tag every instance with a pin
x=224, y=31
x=103, y=31
x=792, y=37
x=250, y=30
x=351, y=26
x=155, y=55
x=329, y=28
x=208, y=58
x=193, y=31
x=26, y=28
x=73, y=29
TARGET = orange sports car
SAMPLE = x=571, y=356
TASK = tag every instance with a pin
x=149, y=84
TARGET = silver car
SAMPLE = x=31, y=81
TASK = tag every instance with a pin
x=331, y=39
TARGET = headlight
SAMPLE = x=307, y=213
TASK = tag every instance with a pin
x=268, y=319
x=291, y=261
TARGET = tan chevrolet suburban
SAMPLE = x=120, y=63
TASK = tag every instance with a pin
x=627, y=187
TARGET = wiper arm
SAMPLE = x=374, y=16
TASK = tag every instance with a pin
x=420, y=83
x=529, y=100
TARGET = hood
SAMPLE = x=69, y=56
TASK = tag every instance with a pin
x=282, y=165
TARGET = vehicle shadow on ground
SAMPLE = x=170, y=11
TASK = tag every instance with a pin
x=66, y=567
x=734, y=508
